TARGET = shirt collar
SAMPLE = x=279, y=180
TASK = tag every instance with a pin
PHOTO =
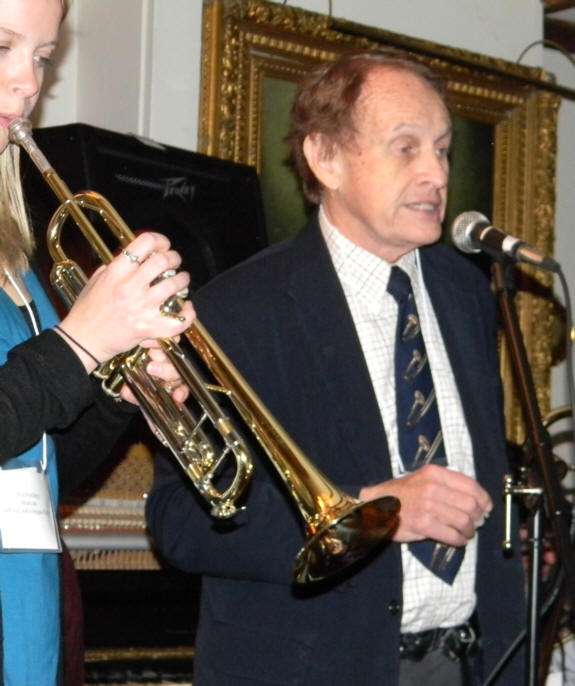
x=361, y=273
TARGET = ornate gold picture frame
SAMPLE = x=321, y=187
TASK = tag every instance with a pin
x=255, y=51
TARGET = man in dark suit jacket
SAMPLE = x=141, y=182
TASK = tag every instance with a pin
x=370, y=135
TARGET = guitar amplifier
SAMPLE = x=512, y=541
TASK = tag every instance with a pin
x=210, y=209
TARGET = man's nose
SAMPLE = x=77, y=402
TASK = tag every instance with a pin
x=435, y=168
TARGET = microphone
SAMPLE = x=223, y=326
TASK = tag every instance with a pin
x=472, y=232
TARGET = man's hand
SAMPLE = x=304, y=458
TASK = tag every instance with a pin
x=436, y=503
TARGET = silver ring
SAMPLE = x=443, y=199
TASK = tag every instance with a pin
x=133, y=258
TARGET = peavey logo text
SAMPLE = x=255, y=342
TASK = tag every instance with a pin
x=178, y=187
x=171, y=187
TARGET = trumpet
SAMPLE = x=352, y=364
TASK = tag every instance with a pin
x=339, y=529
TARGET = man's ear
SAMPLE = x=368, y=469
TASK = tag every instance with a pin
x=322, y=159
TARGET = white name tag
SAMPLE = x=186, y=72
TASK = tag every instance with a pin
x=27, y=521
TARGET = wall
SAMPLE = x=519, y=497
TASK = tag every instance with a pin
x=134, y=66
x=564, y=71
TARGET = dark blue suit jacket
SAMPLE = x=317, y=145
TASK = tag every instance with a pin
x=283, y=320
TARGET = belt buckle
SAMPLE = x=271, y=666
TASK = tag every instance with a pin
x=416, y=646
x=459, y=642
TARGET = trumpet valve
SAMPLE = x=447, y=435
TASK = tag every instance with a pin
x=172, y=306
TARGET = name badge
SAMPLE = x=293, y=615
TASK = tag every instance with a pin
x=27, y=521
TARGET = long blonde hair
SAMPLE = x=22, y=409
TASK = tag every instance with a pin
x=16, y=235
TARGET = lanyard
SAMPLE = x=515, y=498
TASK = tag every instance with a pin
x=36, y=328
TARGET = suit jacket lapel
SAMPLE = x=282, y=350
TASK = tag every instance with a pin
x=460, y=318
x=458, y=313
x=336, y=350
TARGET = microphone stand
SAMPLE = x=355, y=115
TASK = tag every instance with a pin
x=557, y=508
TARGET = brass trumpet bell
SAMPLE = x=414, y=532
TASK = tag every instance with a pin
x=349, y=538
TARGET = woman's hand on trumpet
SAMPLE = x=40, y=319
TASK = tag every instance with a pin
x=161, y=368
x=120, y=306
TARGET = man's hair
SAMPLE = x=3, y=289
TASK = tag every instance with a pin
x=325, y=104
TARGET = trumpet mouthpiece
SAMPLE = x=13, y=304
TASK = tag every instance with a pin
x=19, y=129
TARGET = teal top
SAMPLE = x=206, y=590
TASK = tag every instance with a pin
x=29, y=582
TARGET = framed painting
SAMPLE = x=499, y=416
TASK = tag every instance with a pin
x=505, y=122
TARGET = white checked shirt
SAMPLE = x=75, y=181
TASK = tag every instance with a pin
x=428, y=602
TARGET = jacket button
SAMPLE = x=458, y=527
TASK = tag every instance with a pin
x=394, y=607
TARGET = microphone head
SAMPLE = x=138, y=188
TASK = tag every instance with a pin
x=462, y=227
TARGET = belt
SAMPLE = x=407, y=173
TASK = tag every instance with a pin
x=455, y=642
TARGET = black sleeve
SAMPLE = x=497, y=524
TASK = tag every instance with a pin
x=43, y=385
x=88, y=442
x=44, y=388
x=259, y=544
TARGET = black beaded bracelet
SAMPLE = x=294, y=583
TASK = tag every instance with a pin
x=67, y=335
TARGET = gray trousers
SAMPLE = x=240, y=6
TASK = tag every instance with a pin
x=434, y=669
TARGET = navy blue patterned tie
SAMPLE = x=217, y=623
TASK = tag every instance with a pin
x=418, y=426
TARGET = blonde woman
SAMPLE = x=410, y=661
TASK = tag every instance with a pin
x=49, y=403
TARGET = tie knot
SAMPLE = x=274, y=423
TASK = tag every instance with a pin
x=399, y=284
